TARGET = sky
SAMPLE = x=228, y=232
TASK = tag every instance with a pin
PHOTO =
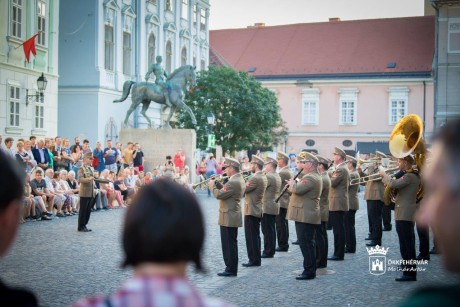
x=225, y=14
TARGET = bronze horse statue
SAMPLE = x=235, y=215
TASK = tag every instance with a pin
x=145, y=92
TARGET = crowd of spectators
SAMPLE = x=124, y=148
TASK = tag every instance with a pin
x=51, y=164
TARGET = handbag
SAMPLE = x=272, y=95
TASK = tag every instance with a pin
x=95, y=162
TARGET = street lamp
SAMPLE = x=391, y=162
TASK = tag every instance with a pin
x=211, y=119
x=39, y=95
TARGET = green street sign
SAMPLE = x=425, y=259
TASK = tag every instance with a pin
x=212, y=141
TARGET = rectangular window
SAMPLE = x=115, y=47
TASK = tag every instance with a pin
x=14, y=106
x=16, y=18
x=153, y=1
x=195, y=15
x=347, y=112
x=127, y=53
x=169, y=5
x=109, y=48
x=202, y=19
x=453, y=38
x=184, y=13
x=39, y=115
x=310, y=103
x=398, y=97
x=41, y=22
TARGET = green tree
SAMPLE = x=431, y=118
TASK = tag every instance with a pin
x=247, y=115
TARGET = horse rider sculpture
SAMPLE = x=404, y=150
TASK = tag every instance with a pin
x=160, y=76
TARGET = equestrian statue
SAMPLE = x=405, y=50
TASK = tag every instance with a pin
x=169, y=92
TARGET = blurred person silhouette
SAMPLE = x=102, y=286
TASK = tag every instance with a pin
x=441, y=211
x=163, y=232
x=12, y=183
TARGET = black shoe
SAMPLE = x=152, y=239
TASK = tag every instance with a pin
x=296, y=242
x=305, y=277
x=421, y=257
x=226, y=274
x=388, y=228
x=87, y=229
x=279, y=249
x=249, y=264
x=434, y=251
x=406, y=278
x=84, y=230
x=368, y=238
x=334, y=258
x=350, y=251
x=373, y=243
x=266, y=256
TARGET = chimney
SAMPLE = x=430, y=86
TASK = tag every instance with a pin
x=258, y=25
x=334, y=19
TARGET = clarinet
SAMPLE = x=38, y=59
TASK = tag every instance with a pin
x=287, y=187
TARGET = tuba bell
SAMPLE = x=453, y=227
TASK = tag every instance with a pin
x=405, y=139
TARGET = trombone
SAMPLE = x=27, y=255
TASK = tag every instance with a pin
x=219, y=178
x=373, y=177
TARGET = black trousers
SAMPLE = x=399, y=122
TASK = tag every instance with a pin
x=306, y=236
x=406, y=235
x=229, y=242
x=375, y=210
x=322, y=245
x=350, y=233
x=337, y=221
x=369, y=220
x=424, y=240
x=282, y=229
x=386, y=216
x=86, y=203
x=268, y=229
x=252, y=233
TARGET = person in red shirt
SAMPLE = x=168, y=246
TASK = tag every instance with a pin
x=179, y=159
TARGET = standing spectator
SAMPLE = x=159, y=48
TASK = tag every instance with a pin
x=33, y=140
x=111, y=157
x=211, y=168
x=77, y=157
x=138, y=157
x=49, y=145
x=1, y=146
x=119, y=156
x=41, y=155
x=12, y=182
x=98, y=154
x=179, y=159
x=202, y=167
x=292, y=162
x=76, y=143
x=127, y=156
x=9, y=147
x=58, y=143
x=66, y=154
x=23, y=157
x=28, y=150
x=246, y=166
x=85, y=149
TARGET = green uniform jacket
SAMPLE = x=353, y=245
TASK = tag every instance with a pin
x=324, y=198
x=86, y=185
x=406, y=197
x=255, y=189
x=285, y=174
x=229, y=197
x=271, y=193
x=353, y=200
x=304, y=202
x=338, y=195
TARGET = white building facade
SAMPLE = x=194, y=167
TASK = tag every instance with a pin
x=21, y=117
x=104, y=43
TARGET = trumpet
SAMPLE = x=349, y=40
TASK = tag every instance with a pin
x=373, y=177
x=217, y=177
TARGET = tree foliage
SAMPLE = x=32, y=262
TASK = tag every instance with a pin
x=247, y=115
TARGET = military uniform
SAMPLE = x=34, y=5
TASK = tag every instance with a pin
x=86, y=192
x=304, y=210
x=229, y=196
x=353, y=202
x=338, y=205
x=254, y=194
x=270, y=210
x=374, y=198
x=322, y=244
x=282, y=224
x=405, y=207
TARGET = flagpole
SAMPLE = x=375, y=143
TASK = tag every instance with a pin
x=28, y=39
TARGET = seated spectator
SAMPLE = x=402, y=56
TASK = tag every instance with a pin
x=160, y=269
x=112, y=195
x=28, y=150
x=129, y=179
x=73, y=183
x=58, y=195
x=39, y=188
x=156, y=174
x=120, y=186
x=148, y=178
x=12, y=182
x=69, y=191
x=23, y=157
x=140, y=180
x=38, y=210
x=101, y=202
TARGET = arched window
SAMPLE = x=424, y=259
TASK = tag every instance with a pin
x=151, y=50
x=168, y=57
x=183, y=58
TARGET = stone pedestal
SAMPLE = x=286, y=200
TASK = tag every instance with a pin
x=159, y=143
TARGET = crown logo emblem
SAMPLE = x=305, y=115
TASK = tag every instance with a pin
x=377, y=250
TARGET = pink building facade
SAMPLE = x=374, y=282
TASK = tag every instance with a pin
x=338, y=83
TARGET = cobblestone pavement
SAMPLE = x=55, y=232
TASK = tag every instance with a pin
x=61, y=265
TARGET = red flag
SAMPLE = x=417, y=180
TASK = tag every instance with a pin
x=29, y=46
